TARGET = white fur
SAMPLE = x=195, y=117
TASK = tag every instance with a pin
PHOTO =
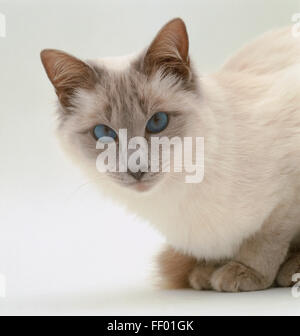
x=116, y=63
x=250, y=111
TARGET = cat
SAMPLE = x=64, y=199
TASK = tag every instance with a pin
x=237, y=230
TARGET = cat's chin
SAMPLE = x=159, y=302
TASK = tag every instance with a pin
x=141, y=186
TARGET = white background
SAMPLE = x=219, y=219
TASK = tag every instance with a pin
x=63, y=248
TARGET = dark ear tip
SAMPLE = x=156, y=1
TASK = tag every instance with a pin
x=47, y=52
x=177, y=20
x=44, y=53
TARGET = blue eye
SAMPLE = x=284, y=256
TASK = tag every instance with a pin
x=157, y=123
x=105, y=132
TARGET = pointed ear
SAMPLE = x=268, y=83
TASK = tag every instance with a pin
x=66, y=73
x=169, y=51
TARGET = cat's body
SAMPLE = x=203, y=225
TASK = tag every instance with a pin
x=235, y=229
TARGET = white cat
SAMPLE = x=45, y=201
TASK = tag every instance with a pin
x=239, y=229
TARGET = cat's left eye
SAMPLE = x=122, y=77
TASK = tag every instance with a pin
x=157, y=123
x=104, y=133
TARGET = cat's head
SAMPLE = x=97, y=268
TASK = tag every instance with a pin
x=152, y=94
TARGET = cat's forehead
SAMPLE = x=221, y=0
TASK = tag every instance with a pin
x=124, y=95
x=122, y=84
x=121, y=89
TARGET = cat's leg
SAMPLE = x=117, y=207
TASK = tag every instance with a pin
x=177, y=270
x=290, y=266
x=200, y=276
x=174, y=268
x=256, y=264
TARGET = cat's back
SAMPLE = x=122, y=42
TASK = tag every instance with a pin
x=272, y=52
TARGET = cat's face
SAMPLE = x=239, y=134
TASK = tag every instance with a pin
x=147, y=96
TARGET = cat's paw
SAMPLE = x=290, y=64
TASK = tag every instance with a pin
x=199, y=278
x=236, y=277
x=290, y=267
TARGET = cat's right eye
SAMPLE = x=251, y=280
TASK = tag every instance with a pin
x=104, y=133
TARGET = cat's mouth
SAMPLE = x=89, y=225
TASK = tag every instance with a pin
x=147, y=183
x=141, y=186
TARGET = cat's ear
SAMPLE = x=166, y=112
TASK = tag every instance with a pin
x=169, y=51
x=67, y=73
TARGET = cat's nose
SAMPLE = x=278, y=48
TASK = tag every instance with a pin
x=137, y=175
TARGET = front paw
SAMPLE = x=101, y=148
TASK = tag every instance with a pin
x=199, y=278
x=290, y=267
x=236, y=277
